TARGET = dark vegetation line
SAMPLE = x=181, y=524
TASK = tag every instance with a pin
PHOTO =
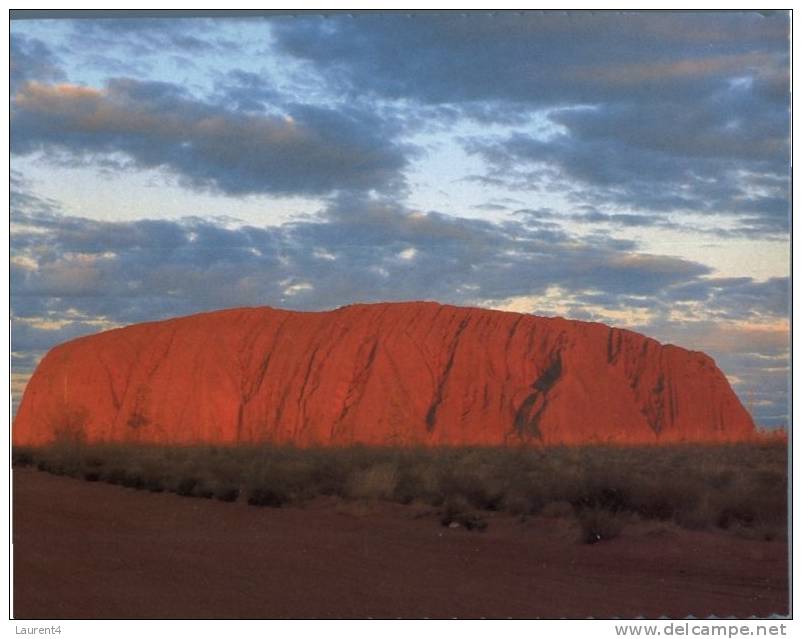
x=741, y=488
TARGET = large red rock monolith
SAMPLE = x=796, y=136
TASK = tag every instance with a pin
x=385, y=374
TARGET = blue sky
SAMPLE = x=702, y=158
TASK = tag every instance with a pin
x=629, y=168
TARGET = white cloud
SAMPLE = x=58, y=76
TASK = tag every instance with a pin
x=408, y=253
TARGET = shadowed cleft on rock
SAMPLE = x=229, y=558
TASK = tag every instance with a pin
x=527, y=419
x=613, y=345
x=549, y=376
x=431, y=414
x=653, y=410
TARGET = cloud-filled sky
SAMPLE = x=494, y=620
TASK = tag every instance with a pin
x=629, y=168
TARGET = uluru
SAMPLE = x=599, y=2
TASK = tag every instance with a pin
x=399, y=374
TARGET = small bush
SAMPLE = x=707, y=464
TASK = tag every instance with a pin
x=203, y=491
x=761, y=532
x=21, y=457
x=601, y=495
x=267, y=497
x=375, y=482
x=454, y=506
x=517, y=503
x=93, y=461
x=418, y=480
x=227, y=493
x=329, y=475
x=469, y=521
x=408, y=487
x=475, y=480
x=115, y=476
x=598, y=524
x=154, y=485
x=133, y=480
x=721, y=479
x=186, y=486
x=557, y=510
x=702, y=516
x=458, y=511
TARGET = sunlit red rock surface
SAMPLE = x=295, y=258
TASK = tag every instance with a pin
x=390, y=374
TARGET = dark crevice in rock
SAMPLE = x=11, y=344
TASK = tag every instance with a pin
x=613, y=345
x=357, y=385
x=527, y=418
x=431, y=414
x=653, y=410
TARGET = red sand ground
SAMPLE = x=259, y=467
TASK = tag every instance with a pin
x=390, y=374
x=85, y=550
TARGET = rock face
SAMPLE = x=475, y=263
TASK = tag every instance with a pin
x=382, y=374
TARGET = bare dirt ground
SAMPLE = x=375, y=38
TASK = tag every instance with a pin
x=90, y=550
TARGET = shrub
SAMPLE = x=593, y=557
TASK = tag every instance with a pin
x=418, y=479
x=115, y=476
x=203, y=491
x=457, y=511
x=375, y=482
x=603, y=490
x=133, y=479
x=329, y=475
x=186, y=486
x=557, y=509
x=227, y=493
x=154, y=485
x=702, y=516
x=93, y=461
x=21, y=457
x=469, y=521
x=476, y=480
x=267, y=497
x=598, y=524
x=664, y=497
x=517, y=503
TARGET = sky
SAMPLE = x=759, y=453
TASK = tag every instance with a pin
x=621, y=167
